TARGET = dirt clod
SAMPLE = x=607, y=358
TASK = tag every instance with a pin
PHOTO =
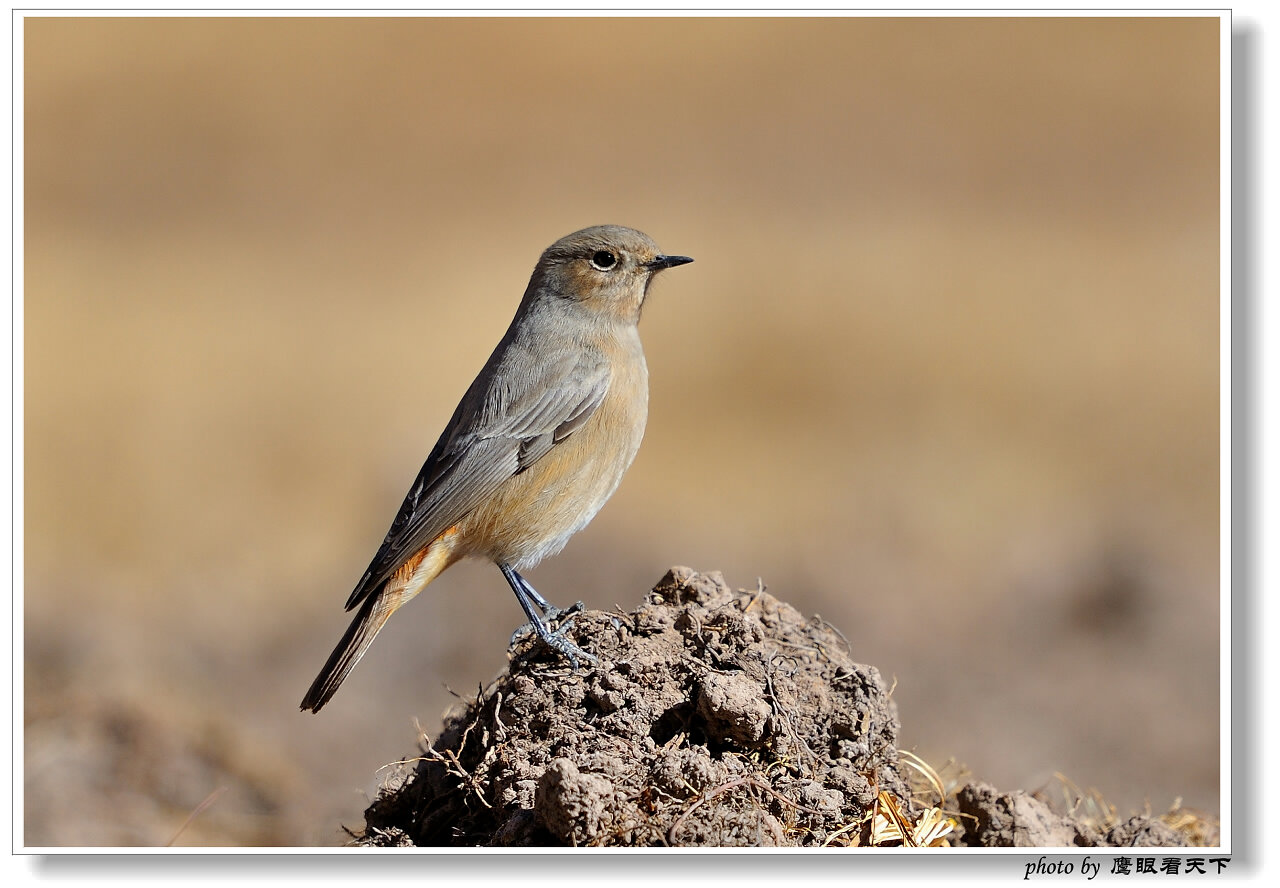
x=734, y=707
x=1142, y=832
x=713, y=717
x=1014, y=819
x=573, y=806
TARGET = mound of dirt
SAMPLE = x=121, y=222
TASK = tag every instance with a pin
x=713, y=717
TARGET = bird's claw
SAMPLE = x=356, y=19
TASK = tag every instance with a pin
x=566, y=648
x=557, y=639
x=553, y=613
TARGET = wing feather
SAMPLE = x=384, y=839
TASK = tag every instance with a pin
x=494, y=434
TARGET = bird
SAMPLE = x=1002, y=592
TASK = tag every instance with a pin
x=538, y=443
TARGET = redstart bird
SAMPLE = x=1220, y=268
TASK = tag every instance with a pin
x=537, y=444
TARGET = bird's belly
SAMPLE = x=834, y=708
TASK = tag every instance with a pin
x=533, y=514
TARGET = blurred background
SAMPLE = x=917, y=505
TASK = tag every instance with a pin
x=946, y=372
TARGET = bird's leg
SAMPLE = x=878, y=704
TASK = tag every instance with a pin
x=531, y=602
x=550, y=612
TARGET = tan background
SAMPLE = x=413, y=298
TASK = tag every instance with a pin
x=945, y=371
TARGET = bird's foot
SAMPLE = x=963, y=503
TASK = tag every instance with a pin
x=560, y=643
x=557, y=639
x=550, y=614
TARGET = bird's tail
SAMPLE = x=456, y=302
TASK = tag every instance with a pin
x=376, y=608
x=371, y=617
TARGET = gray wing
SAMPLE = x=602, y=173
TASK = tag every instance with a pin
x=497, y=431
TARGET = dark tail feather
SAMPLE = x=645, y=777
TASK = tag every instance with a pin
x=364, y=628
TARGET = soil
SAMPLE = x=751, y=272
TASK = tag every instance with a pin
x=713, y=717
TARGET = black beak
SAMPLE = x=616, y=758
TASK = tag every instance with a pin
x=660, y=262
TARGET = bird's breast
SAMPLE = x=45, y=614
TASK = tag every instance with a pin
x=535, y=512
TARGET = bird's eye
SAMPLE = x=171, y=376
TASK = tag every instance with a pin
x=604, y=260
